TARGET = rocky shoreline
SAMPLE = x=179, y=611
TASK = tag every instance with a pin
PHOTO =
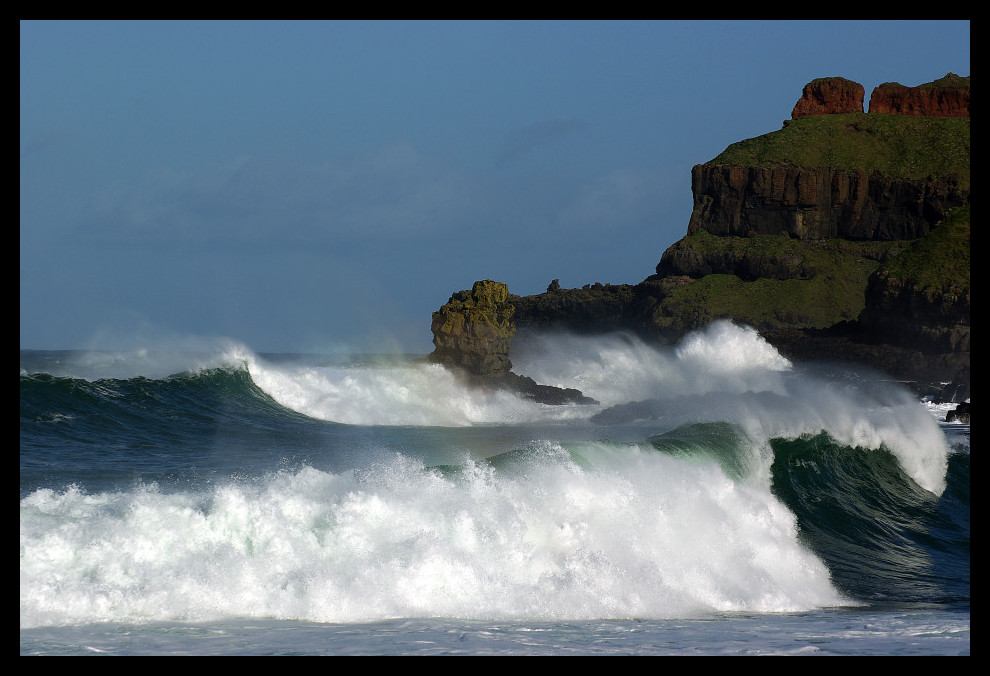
x=837, y=258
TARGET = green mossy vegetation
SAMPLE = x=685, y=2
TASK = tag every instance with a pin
x=897, y=146
x=485, y=304
x=834, y=273
x=816, y=256
x=834, y=290
x=940, y=261
x=950, y=80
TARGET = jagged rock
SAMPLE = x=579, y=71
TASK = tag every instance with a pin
x=472, y=336
x=474, y=329
x=530, y=389
x=828, y=96
x=817, y=203
x=946, y=97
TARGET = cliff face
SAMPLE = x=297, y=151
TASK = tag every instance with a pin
x=947, y=97
x=817, y=203
x=921, y=298
x=828, y=96
x=928, y=320
x=844, y=235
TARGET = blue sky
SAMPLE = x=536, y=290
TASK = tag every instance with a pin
x=318, y=186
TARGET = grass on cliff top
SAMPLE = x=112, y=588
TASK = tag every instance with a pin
x=940, y=260
x=835, y=293
x=949, y=80
x=897, y=146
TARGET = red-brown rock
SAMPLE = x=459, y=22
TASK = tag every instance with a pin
x=829, y=96
x=945, y=97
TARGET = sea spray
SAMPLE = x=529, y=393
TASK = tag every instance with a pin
x=725, y=372
x=410, y=393
x=194, y=512
x=619, y=367
x=156, y=360
x=728, y=372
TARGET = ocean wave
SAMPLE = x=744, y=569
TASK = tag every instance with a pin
x=552, y=532
x=723, y=373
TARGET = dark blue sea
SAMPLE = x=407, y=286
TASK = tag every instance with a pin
x=717, y=500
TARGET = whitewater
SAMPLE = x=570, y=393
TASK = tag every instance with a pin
x=220, y=501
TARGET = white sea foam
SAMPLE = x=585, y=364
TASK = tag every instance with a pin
x=621, y=533
x=725, y=372
x=729, y=372
x=395, y=394
x=618, y=368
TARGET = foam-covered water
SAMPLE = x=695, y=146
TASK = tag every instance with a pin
x=618, y=535
x=170, y=496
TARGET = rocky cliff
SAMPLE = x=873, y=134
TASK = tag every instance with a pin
x=921, y=298
x=817, y=203
x=844, y=235
x=473, y=331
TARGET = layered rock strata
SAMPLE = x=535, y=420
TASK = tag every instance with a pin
x=817, y=203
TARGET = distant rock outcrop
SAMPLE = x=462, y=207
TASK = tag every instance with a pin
x=828, y=96
x=594, y=308
x=946, y=97
x=472, y=336
x=817, y=203
x=474, y=329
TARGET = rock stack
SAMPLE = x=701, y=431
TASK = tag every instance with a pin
x=829, y=96
x=472, y=335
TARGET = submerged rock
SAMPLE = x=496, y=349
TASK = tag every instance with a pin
x=959, y=414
